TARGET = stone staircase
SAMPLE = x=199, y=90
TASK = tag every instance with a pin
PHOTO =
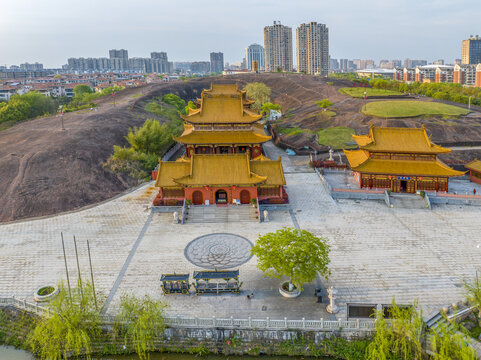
x=221, y=214
x=407, y=201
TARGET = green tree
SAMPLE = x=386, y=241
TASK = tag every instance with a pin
x=190, y=105
x=448, y=341
x=267, y=107
x=324, y=104
x=141, y=321
x=80, y=90
x=398, y=339
x=473, y=293
x=73, y=323
x=150, y=138
x=258, y=92
x=174, y=100
x=297, y=254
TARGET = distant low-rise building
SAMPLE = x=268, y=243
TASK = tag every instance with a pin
x=464, y=74
x=409, y=74
x=444, y=74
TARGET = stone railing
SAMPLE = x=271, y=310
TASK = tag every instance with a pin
x=324, y=182
x=427, y=201
x=230, y=323
x=387, y=200
x=168, y=155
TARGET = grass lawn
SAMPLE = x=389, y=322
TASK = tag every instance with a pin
x=290, y=131
x=358, y=92
x=397, y=109
x=336, y=137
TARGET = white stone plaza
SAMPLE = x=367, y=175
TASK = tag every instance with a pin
x=377, y=253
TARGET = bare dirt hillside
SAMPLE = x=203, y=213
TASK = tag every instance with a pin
x=44, y=170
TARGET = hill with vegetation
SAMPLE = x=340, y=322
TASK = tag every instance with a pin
x=46, y=170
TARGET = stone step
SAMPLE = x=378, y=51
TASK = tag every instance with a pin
x=221, y=214
x=407, y=201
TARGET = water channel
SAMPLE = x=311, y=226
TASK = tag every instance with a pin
x=10, y=353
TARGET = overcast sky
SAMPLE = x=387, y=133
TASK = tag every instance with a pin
x=50, y=31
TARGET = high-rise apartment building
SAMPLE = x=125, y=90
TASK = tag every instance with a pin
x=119, y=59
x=471, y=50
x=312, y=48
x=333, y=64
x=34, y=67
x=255, y=52
x=278, y=47
x=159, y=62
x=216, y=62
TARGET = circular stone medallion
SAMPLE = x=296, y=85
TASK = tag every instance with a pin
x=218, y=251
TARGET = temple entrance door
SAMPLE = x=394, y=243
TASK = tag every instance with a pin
x=245, y=197
x=197, y=198
x=404, y=185
x=221, y=197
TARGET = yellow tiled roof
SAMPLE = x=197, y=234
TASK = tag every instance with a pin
x=221, y=137
x=401, y=140
x=362, y=140
x=399, y=167
x=356, y=157
x=272, y=169
x=474, y=165
x=222, y=104
x=170, y=170
x=231, y=169
x=261, y=157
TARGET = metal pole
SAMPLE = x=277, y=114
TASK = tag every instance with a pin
x=469, y=105
x=66, y=268
x=78, y=268
x=92, y=274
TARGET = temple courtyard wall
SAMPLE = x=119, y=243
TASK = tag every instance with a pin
x=377, y=253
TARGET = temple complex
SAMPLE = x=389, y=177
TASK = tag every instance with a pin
x=223, y=162
x=400, y=160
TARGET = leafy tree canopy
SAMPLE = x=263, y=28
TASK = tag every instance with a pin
x=324, y=103
x=150, y=138
x=190, y=105
x=172, y=99
x=73, y=323
x=141, y=321
x=27, y=106
x=258, y=92
x=267, y=107
x=79, y=90
x=297, y=254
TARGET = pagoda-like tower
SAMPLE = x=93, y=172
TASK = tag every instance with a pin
x=223, y=124
x=223, y=162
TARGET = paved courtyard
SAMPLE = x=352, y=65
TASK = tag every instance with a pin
x=377, y=253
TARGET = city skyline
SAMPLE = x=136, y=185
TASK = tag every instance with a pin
x=190, y=33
